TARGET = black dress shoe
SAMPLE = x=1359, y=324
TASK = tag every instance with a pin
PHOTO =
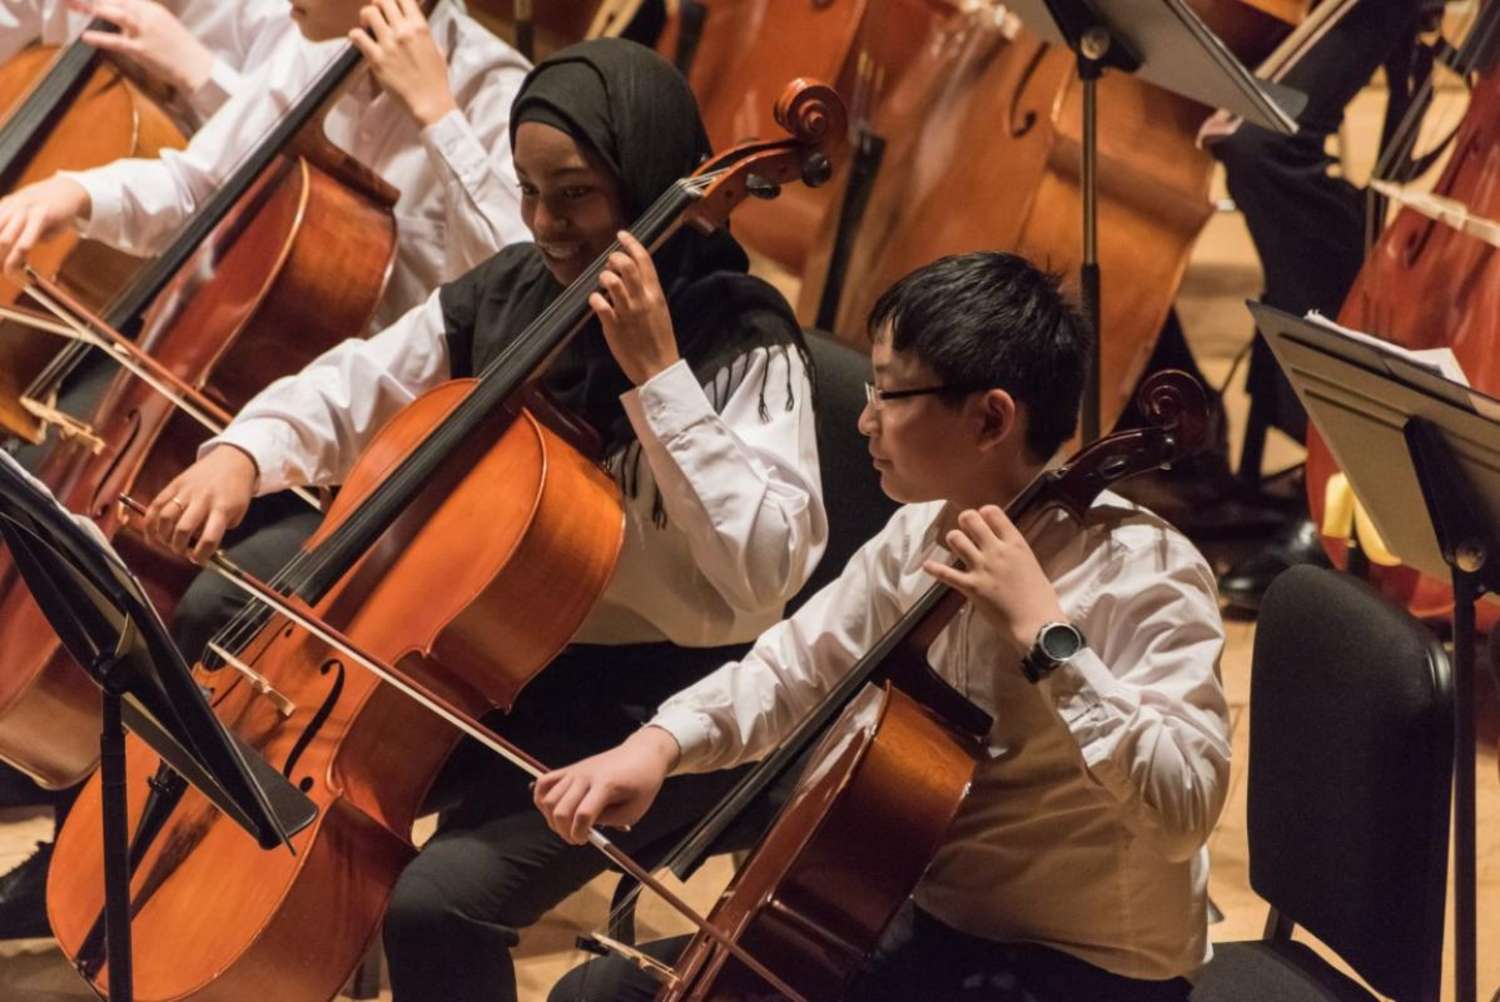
x=1243, y=584
x=23, y=897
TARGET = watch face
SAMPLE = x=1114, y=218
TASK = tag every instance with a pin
x=1060, y=641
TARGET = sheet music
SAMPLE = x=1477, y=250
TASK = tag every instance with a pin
x=1438, y=361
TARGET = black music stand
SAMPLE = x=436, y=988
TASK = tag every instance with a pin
x=1422, y=453
x=1165, y=43
x=104, y=619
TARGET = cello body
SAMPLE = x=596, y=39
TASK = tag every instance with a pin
x=109, y=118
x=826, y=880
x=472, y=615
x=220, y=325
x=991, y=120
x=1427, y=285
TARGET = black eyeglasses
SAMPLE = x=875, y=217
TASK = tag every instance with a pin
x=874, y=396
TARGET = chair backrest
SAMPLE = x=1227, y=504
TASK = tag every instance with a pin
x=1351, y=760
x=857, y=507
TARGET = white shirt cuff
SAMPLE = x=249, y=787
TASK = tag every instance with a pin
x=105, y=201
x=263, y=441
x=451, y=140
x=667, y=404
x=222, y=84
x=693, y=731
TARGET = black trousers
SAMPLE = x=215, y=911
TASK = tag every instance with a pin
x=494, y=867
x=919, y=959
x=1308, y=225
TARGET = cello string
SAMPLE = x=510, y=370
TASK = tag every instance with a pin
x=249, y=620
x=516, y=756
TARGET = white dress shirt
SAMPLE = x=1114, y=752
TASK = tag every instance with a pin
x=459, y=202
x=1085, y=827
x=745, y=522
x=229, y=30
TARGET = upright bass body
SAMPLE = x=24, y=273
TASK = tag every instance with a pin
x=470, y=614
x=1426, y=284
x=984, y=153
x=109, y=118
x=222, y=325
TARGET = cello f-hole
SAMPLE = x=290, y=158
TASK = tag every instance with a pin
x=1022, y=122
x=101, y=503
x=320, y=718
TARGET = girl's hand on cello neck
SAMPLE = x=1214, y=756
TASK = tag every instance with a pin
x=33, y=213
x=153, y=38
x=632, y=308
x=396, y=41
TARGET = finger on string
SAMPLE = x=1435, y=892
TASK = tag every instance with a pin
x=109, y=41
x=975, y=527
x=615, y=290
x=605, y=312
x=962, y=547
x=391, y=12
x=639, y=254
x=949, y=575
x=373, y=18
x=366, y=45
x=994, y=516
x=630, y=275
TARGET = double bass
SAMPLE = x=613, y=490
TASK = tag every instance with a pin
x=215, y=309
x=996, y=129
x=68, y=109
x=398, y=568
x=1426, y=284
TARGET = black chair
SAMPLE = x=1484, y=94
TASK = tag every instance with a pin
x=1351, y=762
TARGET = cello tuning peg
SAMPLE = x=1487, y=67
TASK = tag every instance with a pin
x=762, y=187
x=816, y=170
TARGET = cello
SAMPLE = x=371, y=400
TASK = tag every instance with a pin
x=68, y=110
x=1426, y=284
x=899, y=747
x=1001, y=128
x=213, y=308
x=399, y=569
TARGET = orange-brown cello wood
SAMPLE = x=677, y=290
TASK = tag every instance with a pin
x=987, y=156
x=111, y=118
x=1428, y=285
x=861, y=827
x=487, y=610
x=252, y=283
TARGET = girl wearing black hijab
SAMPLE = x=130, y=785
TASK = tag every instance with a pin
x=695, y=376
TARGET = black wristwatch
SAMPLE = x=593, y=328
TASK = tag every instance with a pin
x=1055, y=643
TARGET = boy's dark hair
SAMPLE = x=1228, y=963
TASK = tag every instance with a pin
x=994, y=320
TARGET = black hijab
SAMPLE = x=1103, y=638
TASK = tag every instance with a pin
x=636, y=112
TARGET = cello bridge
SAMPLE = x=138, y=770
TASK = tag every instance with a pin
x=68, y=427
x=258, y=682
